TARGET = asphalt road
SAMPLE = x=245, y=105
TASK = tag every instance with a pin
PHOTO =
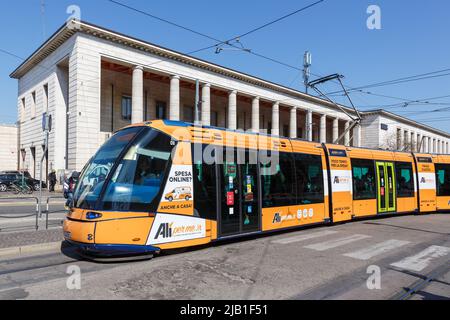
x=337, y=262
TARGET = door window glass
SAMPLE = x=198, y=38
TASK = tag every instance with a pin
x=204, y=188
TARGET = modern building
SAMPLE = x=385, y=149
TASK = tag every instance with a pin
x=8, y=147
x=94, y=81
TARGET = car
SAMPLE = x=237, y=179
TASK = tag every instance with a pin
x=6, y=179
x=24, y=172
x=180, y=193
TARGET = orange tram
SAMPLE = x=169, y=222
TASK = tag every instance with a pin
x=164, y=185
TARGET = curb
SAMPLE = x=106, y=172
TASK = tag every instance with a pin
x=18, y=251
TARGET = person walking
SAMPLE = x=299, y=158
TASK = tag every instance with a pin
x=52, y=181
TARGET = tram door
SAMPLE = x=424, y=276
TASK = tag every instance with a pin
x=239, y=194
x=386, y=187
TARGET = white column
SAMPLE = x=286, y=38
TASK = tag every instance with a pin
x=232, y=105
x=174, y=113
x=424, y=144
x=430, y=145
x=206, y=104
x=309, y=125
x=357, y=136
x=399, y=139
x=413, y=142
x=293, y=123
x=406, y=145
x=434, y=146
x=323, y=128
x=419, y=140
x=137, y=102
x=255, y=115
x=448, y=151
x=335, y=129
x=347, y=134
x=275, y=119
x=443, y=147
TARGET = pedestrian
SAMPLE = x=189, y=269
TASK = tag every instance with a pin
x=52, y=181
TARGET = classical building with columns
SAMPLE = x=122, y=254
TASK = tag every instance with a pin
x=94, y=81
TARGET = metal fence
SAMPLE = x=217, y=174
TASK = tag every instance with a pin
x=21, y=213
x=48, y=211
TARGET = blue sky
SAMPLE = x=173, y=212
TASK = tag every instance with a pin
x=413, y=40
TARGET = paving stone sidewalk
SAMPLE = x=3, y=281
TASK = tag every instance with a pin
x=25, y=238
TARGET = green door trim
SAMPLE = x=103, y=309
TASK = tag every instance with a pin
x=389, y=185
x=391, y=188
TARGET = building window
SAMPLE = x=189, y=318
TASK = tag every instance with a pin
x=443, y=180
x=364, y=184
x=286, y=131
x=405, y=182
x=161, y=110
x=46, y=98
x=126, y=107
x=188, y=114
x=214, y=118
x=309, y=178
x=23, y=109
x=33, y=105
x=384, y=127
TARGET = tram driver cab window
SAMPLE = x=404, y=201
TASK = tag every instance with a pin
x=138, y=178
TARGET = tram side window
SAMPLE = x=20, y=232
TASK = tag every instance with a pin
x=309, y=178
x=404, y=177
x=364, y=185
x=442, y=180
x=205, y=205
x=278, y=182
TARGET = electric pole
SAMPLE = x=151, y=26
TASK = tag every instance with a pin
x=307, y=61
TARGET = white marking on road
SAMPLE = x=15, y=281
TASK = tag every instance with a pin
x=322, y=246
x=377, y=249
x=422, y=260
x=304, y=237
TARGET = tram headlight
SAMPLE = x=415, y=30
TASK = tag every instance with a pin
x=93, y=215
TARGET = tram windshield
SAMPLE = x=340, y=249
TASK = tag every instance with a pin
x=133, y=165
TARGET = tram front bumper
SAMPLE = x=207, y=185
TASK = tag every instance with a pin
x=81, y=235
x=113, y=250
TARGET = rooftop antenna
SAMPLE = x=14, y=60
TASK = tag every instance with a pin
x=307, y=62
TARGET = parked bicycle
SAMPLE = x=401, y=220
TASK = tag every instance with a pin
x=19, y=187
